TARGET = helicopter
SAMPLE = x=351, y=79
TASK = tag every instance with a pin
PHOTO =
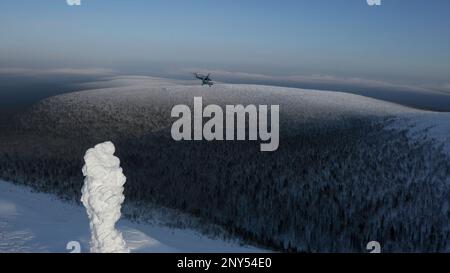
x=206, y=80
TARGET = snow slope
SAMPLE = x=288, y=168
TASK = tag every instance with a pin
x=422, y=126
x=138, y=105
x=37, y=222
x=141, y=105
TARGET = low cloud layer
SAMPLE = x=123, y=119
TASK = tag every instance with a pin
x=442, y=88
x=327, y=80
x=57, y=72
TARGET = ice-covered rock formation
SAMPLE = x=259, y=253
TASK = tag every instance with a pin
x=102, y=195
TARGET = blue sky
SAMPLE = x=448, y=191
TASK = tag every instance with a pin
x=405, y=41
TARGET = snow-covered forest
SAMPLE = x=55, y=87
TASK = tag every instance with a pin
x=349, y=169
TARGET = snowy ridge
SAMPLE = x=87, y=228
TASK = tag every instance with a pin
x=37, y=222
x=141, y=105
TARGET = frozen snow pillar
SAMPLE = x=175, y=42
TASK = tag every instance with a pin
x=102, y=195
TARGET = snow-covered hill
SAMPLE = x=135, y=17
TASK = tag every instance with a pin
x=141, y=105
x=349, y=169
x=37, y=222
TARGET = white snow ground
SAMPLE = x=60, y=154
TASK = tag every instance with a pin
x=37, y=222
